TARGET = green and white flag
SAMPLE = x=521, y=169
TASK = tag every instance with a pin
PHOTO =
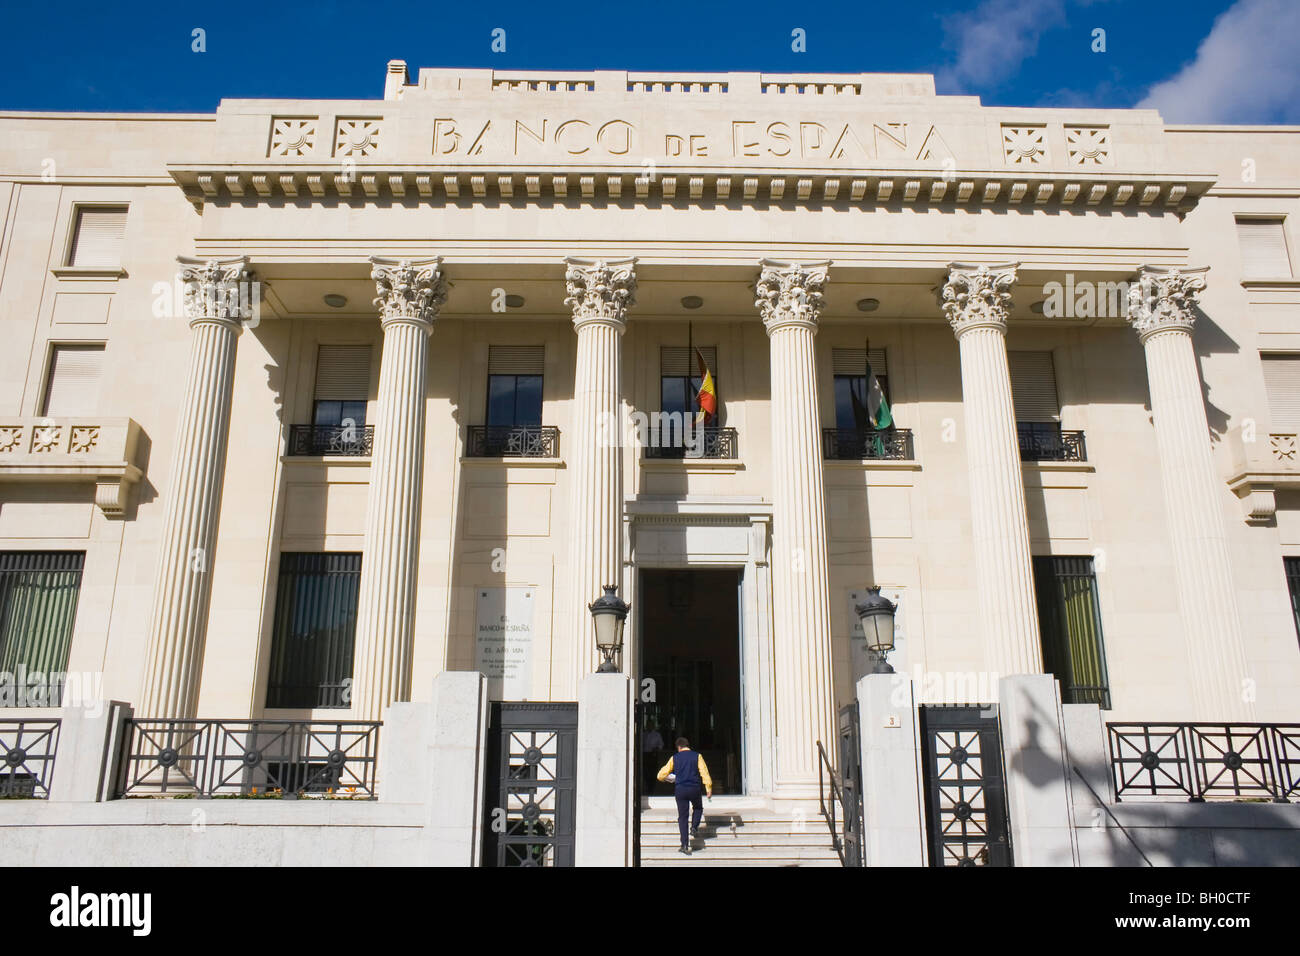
x=872, y=409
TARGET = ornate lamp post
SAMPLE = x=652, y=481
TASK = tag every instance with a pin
x=877, y=616
x=608, y=616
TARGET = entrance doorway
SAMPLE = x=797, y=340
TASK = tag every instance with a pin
x=690, y=648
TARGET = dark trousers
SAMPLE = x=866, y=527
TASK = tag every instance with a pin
x=687, y=800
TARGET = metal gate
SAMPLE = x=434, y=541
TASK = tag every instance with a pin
x=532, y=766
x=965, y=791
x=850, y=764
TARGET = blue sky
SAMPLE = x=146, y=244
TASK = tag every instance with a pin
x=1195, y=60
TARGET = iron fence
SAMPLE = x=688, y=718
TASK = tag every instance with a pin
x=513, y=441
x=28, y=748
x=250, y=758
x=1044, y=441
x=706, y=442
x=1205, y=761
x=346, y=440
x=855, y=444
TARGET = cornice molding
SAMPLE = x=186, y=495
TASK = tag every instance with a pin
x=448, y=184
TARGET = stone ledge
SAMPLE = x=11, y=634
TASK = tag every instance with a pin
x=78, y=448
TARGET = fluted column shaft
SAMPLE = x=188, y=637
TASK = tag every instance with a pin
x=599, y=293
x=409, y=297
x=977, y=305
x=1162, y=315
x=790, y=302
x=178, y=624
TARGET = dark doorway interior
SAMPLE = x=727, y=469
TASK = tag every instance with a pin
x=690, y=647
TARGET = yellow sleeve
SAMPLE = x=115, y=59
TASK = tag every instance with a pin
x=668, y=768
x=704, y=773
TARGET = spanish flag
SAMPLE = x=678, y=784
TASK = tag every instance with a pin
x=707, y=398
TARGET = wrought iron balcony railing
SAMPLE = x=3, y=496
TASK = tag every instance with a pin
x=513, y=441
x=1200, y=761
x=250, y=758
x=350, y=440
x=27, y=751
x=867, y=444
x=708, y=442
x=1044, y=441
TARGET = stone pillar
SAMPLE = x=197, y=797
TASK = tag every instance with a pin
x=893, y=802
x=976, y=303
x=217, y=299
x=790, y=301
x=1161, y=311
x=605, y=747
x=599, y=293
x=410, y=294
x=1039, y=799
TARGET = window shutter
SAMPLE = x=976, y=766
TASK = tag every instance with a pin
x=850, y=362
x=1263, y=249
x=73, y=384
x=680, y=360
x=1033, y=386
x=97, y=239
x=1282, y=385
x=343, y=373
x=516, y=359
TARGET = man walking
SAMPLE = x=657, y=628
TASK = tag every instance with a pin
x=689, y=775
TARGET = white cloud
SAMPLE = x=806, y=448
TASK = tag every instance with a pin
x=1247, y=70
x=994, y=39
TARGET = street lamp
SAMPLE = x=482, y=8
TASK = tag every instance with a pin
x=608, y=615
x=877, y=616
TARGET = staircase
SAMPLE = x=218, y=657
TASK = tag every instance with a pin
x=739, y=831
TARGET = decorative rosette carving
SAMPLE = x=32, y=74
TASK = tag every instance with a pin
x=790, y=292
x=1164, y=299
x=411, y=290
x=217, y=288
x=978, y=296
x=599, y=289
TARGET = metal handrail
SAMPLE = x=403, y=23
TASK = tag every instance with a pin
x=837, y=800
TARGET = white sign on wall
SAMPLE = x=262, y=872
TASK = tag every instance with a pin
x=863, y=659
x=504, y=641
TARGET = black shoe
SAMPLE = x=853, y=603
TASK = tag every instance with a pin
x=684, y=849
x=695, y=833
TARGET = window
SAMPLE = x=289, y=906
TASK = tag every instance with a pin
x=72, y=386
x=1292, y=568
x=848, y=366
x=680, y=381
x=315, y=630
x=515, y=375
x=1282, y=386
x=97, y=237
x=1033, y=386
x=38, y=605
x=1263, y=249
x=1069, y=620
x=342, y=385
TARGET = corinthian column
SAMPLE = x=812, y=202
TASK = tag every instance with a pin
x=1160, y=310
x=976, y=303
x=217, y=299
x=790, y=301
x=599, y=293
x=410, y=294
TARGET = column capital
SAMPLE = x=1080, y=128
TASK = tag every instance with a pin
x=600, y=290
x=221, y=291
x=976, y=296
x=1162, y=300
x=790, y=293
x=409, y=290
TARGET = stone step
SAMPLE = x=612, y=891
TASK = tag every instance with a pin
x=734, y=851
x=721, y=829
x=700, y=860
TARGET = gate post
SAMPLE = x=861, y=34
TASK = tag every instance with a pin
x=891, y=772
x=457, y=752
x=1037, y=769
x=605, y=767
